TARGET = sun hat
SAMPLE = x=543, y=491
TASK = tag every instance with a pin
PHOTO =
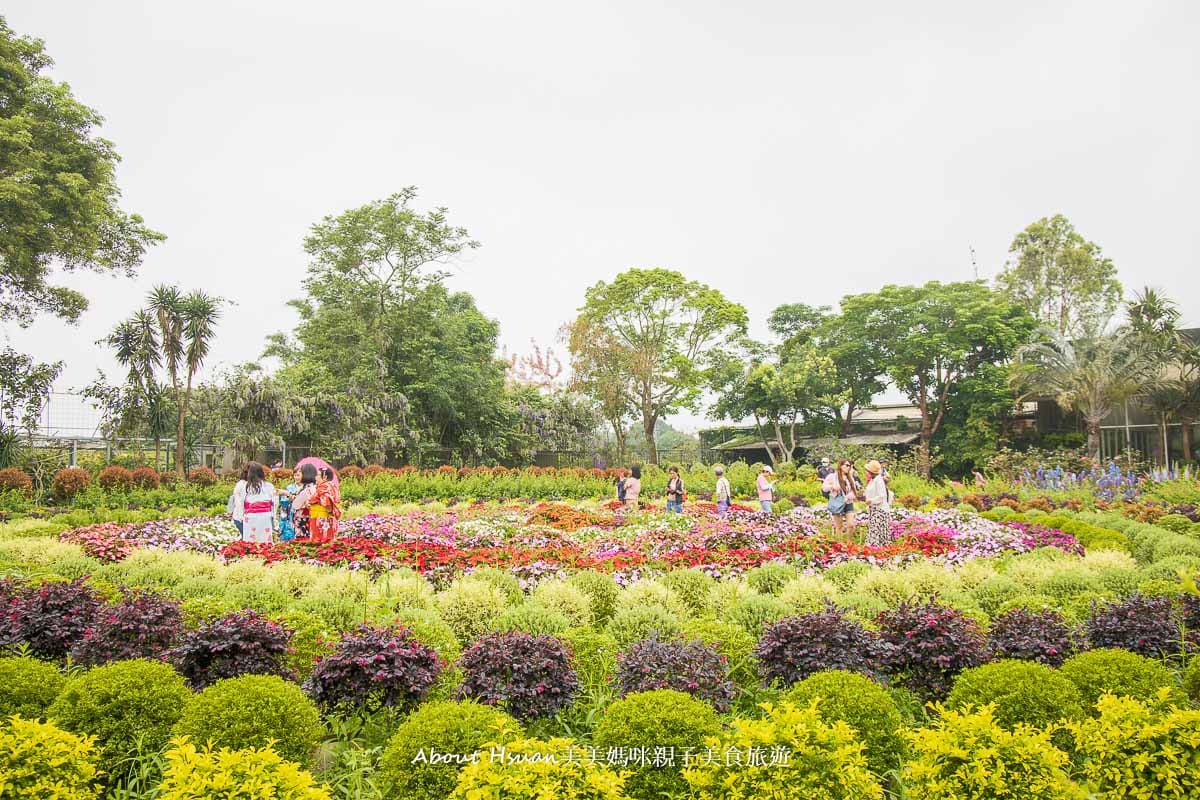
x=874, y=467
x=767, y=468
x=718, y=470
x=825, y=462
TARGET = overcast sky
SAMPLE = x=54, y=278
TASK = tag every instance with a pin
x=782, y=151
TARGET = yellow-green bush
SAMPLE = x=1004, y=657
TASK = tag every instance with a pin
x=862, y=704
x=1132, y=750
x=651, y=593
x=1021, y=692
x=755, y=611
x=805, y=593
x=28, y=687
x=567, y=599
x=971, y=756
x=770, y=578
x=730, y=641
x=1114, y=671
x=39, y=760
x=532, y=617
x=631, y=625
x=224, y=774
x=533, y=769
x=593, y=656
x=1191, y=680
x=693, y=586
x=824, y=762
x=601, y=590
x=471, y=607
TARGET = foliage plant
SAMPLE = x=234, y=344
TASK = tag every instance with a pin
x=140, y=626
x=253, y=711
x=533, y=617
x=1191, y=680
x=658, y=718
x=824, y=761
x=631, y=625
x=70, y=481
x=28, y=687
x=375, y=668
x=202, y=476
x=471, y=607
x=50, y=617
x=1120, y=672
x=1132, y=750
x=241, y=643
x=15, y=480
x=601, y=590
x=730, y=641
x=1143, y=625
x=794, y=648
x=39, y=760
x=688, y=667
x=567, y=599
x=462, y=727
x=928, y=644
x=226, y=774
x=529, y=676
x=754, y=612
x=115, y=477
x=533, y=769
x=1019, y=691
x=1041, y=636
x=969, y=755
x=126, y=705
x=862, y=704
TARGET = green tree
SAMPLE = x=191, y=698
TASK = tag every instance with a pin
x=664, y=331
x=58, y=190
x=931, y=338
x=1059, y=277
x=1175, y=392
x=24, y=389
x=597, y=371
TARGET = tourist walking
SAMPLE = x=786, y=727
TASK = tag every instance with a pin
x=841, y=486
x=236, y=507
x=879, y=506
x=633, y=486
x=675, y=491
x=765, y=487
x=258, y=505
x=723, y=494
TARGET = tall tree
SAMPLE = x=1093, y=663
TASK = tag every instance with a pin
x=664, y=330
x=24, y=390
x=1175, y=392
x=931, y=338
x=1062, y=279
x=58, y=190
x=597, y=371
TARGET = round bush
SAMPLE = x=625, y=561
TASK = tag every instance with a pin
x=28, y=687
x=145, y=478
x=202, y=476
x=807, y=593
x=794, y=648
x=115, y=478
x=567, y=599
x=927, y=645
x=374, y=668
x=1119, y=672
x=647, y=593
x=38, y=760
x=1022, y=691
x=862, y=704
x=141, y=626
x=351, y=472
x=533, y=769
x=15, y=480
x=845, y=575
x=1144, y=625
x=601, y=590
x=969, y=756
x=730, y=641
x=661, y=718
x=532, y=617
x=529, y=676
x=254, y=711
x=120, y=704
x=225, y=774
x=52, y=616
x=755, y=611
x=687, y=667
x=1042, y=636
x=503, y=580
x=1191, y=680
x=770, y=578
x=593, y=656
x=471, y=607
x=993, y=592
x=631, y=625
x=69, y=482
x=447, y=726
x=692, y=586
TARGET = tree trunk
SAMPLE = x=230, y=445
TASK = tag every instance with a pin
x=1093, y=438
x=923, y=458
x=1185, y=430
x=179, y=470
x=157, y=452
x=648, y=424
x=846, y=420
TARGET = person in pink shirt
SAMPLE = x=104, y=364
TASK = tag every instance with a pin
x=842, y=486
x=766, y=489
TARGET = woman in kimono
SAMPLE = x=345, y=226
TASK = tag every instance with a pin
x=258, y=504
x=301, y=504
x=325, y=508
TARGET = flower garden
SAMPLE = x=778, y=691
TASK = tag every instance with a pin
x=1014, y=642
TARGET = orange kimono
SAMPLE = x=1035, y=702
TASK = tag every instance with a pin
x=324, y=512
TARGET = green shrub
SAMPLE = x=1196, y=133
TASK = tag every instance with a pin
x=1066, y=583
x=429, y=629
x=863, y=607
x=567, y=599
x=602, y=590
x=1132, y=750
x=863, y=705
x=770, y=578
x=503, y=580
x=645, y=593
x=825, y=761
x=593, y=656
x=532, y=617
x=731, y=641
x=460, y=727
x=28, y=687
x=693, y=587
x=807, y=593
x=193, y=774
x=1119, y=672
x=660, y=718
x=471, y=607
x=631, y=625
x=1175, y=523
x=312, y=639
x=38, y=760
x=125, y=705
x=970, y=756
x=995, y=591
x=254, y=711
x=260, y=597
x=1191, y=680
x=533, y=769
x=1169, y=568
x=751, y=613
x=342, y=613
x=1021, y=692
x=846, y=574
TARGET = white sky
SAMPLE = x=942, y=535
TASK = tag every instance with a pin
x=781, y=151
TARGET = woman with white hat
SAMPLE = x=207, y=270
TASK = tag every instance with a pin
x=766, y=489
x=879, y=522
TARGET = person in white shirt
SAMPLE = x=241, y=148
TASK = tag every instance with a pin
x=723, y=494
x=879, y=507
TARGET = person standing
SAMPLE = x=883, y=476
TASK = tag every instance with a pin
x=325, y=507
x=675, y=491
x=723, y=494
x=841, y=485
x=236, y=507
x=879, y=506
x=258, y=505
x=301, y=511
x=766, y=489
x=633, y=486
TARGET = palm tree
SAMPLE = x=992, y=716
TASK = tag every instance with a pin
x=197, y=314
x=1091, y=373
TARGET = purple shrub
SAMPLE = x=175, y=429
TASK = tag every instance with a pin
x=1143, y=625
x=792, y=649
x=689, y=667
x=926, y=645
x=1042, y=636
x=241, y=643
x=529, y=676
x=373, y=668
x=143, y=625
x=49, y=617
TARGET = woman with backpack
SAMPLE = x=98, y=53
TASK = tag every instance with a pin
x=675, y=492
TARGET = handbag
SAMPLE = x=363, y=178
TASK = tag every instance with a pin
x=837, y=504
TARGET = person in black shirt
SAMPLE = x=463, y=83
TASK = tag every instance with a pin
x=823, y=473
